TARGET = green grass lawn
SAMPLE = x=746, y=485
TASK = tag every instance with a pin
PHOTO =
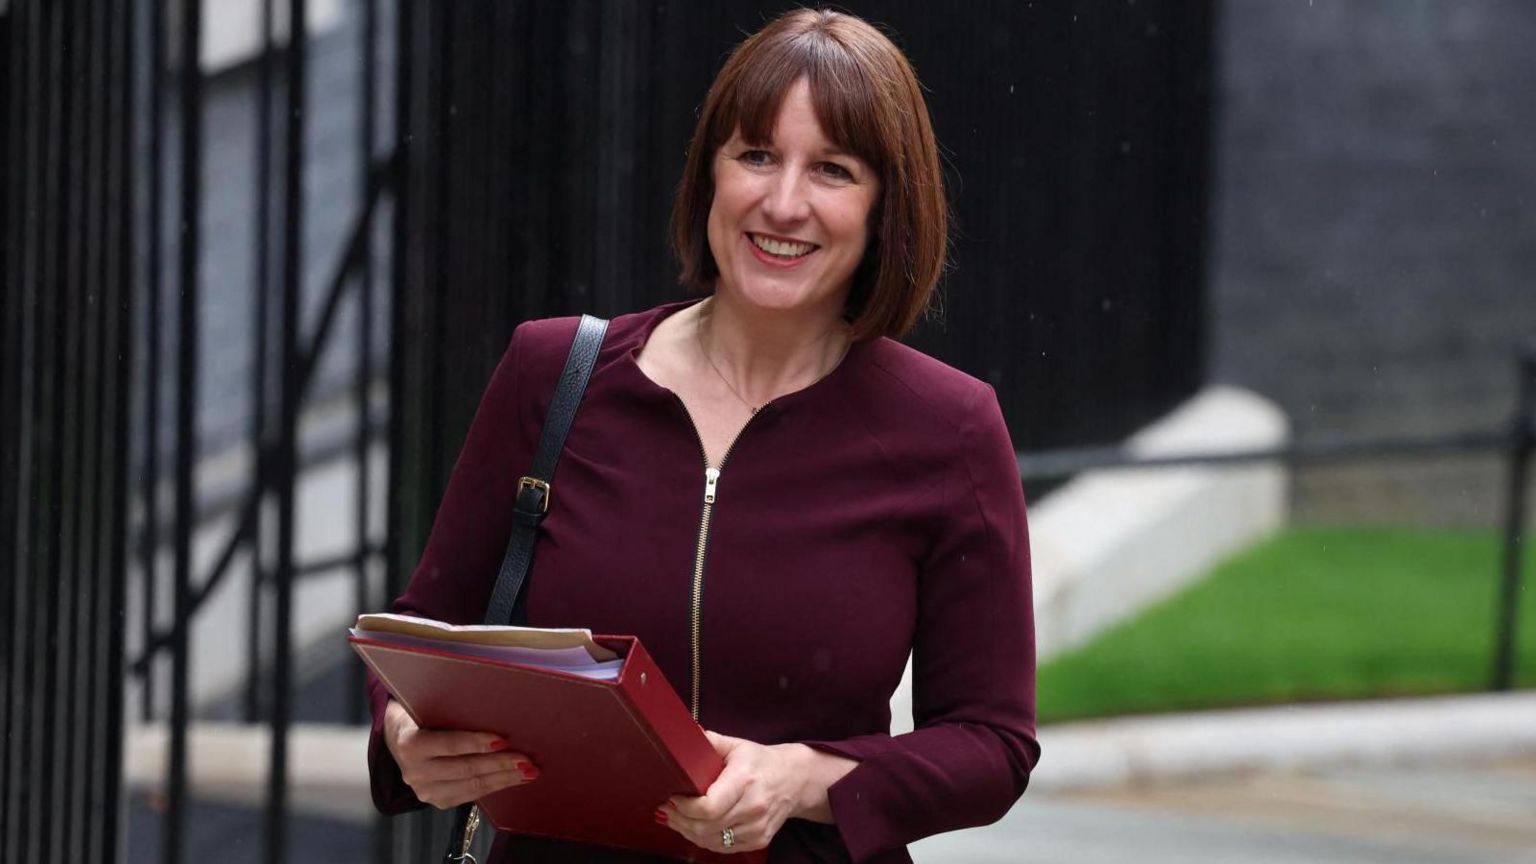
x=1313, y=614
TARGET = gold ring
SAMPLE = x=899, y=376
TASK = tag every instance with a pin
x=728, y=837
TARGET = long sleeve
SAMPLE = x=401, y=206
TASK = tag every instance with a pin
x=876, y=511
x=970, y=755
x=453, y=580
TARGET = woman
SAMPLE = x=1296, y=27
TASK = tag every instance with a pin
x=780, y=500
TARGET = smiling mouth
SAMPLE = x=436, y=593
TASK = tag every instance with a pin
x=787, y=250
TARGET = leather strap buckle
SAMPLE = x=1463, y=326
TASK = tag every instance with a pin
x=538, y=486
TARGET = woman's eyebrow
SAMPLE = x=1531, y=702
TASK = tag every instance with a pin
x=854, y=158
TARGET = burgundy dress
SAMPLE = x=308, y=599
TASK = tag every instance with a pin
x=876, y=512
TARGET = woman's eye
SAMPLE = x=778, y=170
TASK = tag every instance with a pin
x=755, y=157
x=836, y=171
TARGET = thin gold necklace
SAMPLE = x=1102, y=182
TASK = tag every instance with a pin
x=698, y=332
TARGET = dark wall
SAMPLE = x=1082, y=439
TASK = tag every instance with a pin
x=546, y=139
x=1373, y=271
x=1374, y=268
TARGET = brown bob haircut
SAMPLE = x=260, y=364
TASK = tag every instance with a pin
x=870, y=105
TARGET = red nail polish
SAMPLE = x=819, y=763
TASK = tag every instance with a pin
x=497, y=745
x=529, y=770
x=661, y=817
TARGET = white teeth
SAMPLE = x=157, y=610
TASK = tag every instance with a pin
x=781, y=248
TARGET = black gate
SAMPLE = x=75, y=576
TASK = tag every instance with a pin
x=65, y=274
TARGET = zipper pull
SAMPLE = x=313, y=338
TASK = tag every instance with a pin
x=711, y=479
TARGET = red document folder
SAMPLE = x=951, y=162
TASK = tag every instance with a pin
x=609, y=752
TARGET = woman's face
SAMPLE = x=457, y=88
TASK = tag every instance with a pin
x=790, y=218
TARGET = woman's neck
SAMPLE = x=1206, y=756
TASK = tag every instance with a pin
x=765, y=355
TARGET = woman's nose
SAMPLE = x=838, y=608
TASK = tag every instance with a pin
x=787, y=199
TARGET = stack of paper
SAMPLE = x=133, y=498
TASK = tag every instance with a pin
x=570, y=650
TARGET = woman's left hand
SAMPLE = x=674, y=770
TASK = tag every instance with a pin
x=760, y=788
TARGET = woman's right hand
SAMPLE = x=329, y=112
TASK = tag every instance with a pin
x=446, y=769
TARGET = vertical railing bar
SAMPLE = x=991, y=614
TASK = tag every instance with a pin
x=29, y=20
x=92, y=514
x=46, y=557
x=1521, y=444
x=404, y=21
x=284, y=464
x=86, y=426
x=77, y=426
x=11, y=370
x=28, y=17
x=366, y=178
x=411, y=16
x=95, y=575
x=188, y=343
x=115, y=281
x=73, y=420
x=37, y=501
x=439, y=84
x=72, y=181
x=149, y=534
x=384, y=829
x=109, y=728
x=13, y=417
x=260, y=360
x=88, y=490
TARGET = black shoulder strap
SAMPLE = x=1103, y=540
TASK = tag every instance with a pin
x=535, y=490
x=533, y=494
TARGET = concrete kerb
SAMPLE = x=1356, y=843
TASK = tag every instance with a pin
x=1171, y=748
x=329, y=772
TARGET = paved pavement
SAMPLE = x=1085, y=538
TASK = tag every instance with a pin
x=1466, y=814
x=1482, y=813
x=1408, y=781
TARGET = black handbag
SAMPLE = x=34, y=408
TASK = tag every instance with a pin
x=534, y=492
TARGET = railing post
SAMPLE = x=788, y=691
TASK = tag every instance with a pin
x=188, y=342
x=368, y=177
x=149, y=542
x=261, y=363
x=1522, y=442
x=284, y=462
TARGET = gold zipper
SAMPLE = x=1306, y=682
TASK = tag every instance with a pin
x=711, y=479
x=711, y=494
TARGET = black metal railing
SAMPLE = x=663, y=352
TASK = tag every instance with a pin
x=286, y=353
x=1516, y=443
x=1522, y=441
x=67, y=231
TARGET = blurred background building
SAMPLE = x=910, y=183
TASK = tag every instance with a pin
x=1371, y=255
x=250, y=303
